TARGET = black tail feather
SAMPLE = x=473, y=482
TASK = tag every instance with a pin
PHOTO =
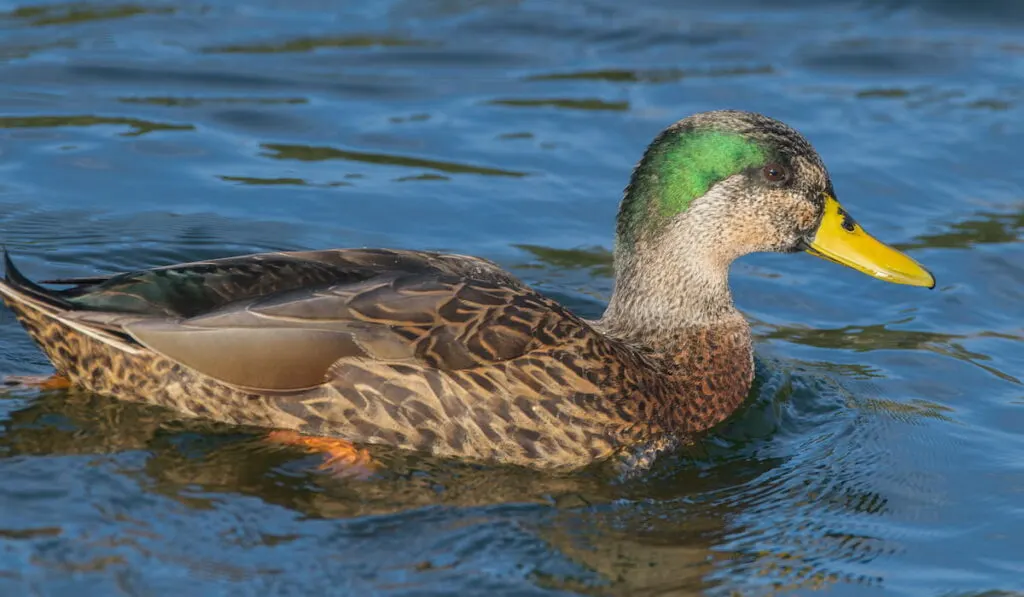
x=86, y=281
x=15, y=279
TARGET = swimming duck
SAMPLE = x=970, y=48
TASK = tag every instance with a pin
x=451, y=355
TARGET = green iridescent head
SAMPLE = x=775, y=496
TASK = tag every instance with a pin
x=687, y=159
x=719, y=185
x=698, y=159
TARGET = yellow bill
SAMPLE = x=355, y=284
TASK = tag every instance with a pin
x=840, y=239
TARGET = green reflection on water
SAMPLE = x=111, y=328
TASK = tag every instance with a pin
x=984, y=228
x=307, y=153
x=264, y=181
x=567, y=103
x=188, y=102
x=140, y=127
x=887, y=93
x=24, y=51
x=424, y=176
x=666, y=75
x=909, y=411
x=64, y=14
x=857, y=371
x=990, y=104
x=309, y=44
x=597, y=259
x=281, y=181
x=878, y=337
x=859, y=338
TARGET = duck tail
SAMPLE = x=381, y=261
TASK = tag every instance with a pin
x=30, y=301
x=17, y=288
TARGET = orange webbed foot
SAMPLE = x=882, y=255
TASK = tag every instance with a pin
x=342, y=458
x=43, y=382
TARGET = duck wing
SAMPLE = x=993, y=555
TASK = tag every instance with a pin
x=279, y=321
x=289, y=341
x=191, y=289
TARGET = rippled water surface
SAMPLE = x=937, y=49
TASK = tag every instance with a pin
x=882, y=451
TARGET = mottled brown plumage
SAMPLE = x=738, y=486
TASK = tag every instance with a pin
x=447, y=353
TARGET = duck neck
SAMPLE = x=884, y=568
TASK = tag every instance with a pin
x=673, y=299
x=668, y=286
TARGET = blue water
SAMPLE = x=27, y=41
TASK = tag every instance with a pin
x=882, y=452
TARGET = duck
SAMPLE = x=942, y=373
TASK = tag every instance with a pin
x=453, y=356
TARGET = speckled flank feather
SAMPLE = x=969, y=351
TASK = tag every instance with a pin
x=466, y=363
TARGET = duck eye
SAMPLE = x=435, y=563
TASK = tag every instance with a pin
x=775, y=173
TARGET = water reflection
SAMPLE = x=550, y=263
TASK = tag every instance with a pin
x=881, y=337
x=598, y=260
x=985, y=228
x=651, y=75
x=314, y=154
x=72, y=13
x=669, y=532
x=295, y=182
x=138, y=126
x=311, y=44
x=567, y=103
x=10, y=50
x=191, y=102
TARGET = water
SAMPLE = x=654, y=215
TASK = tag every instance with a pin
x=882, y=449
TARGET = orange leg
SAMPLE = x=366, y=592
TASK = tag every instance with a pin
x=343, y=459
x=53, y=382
